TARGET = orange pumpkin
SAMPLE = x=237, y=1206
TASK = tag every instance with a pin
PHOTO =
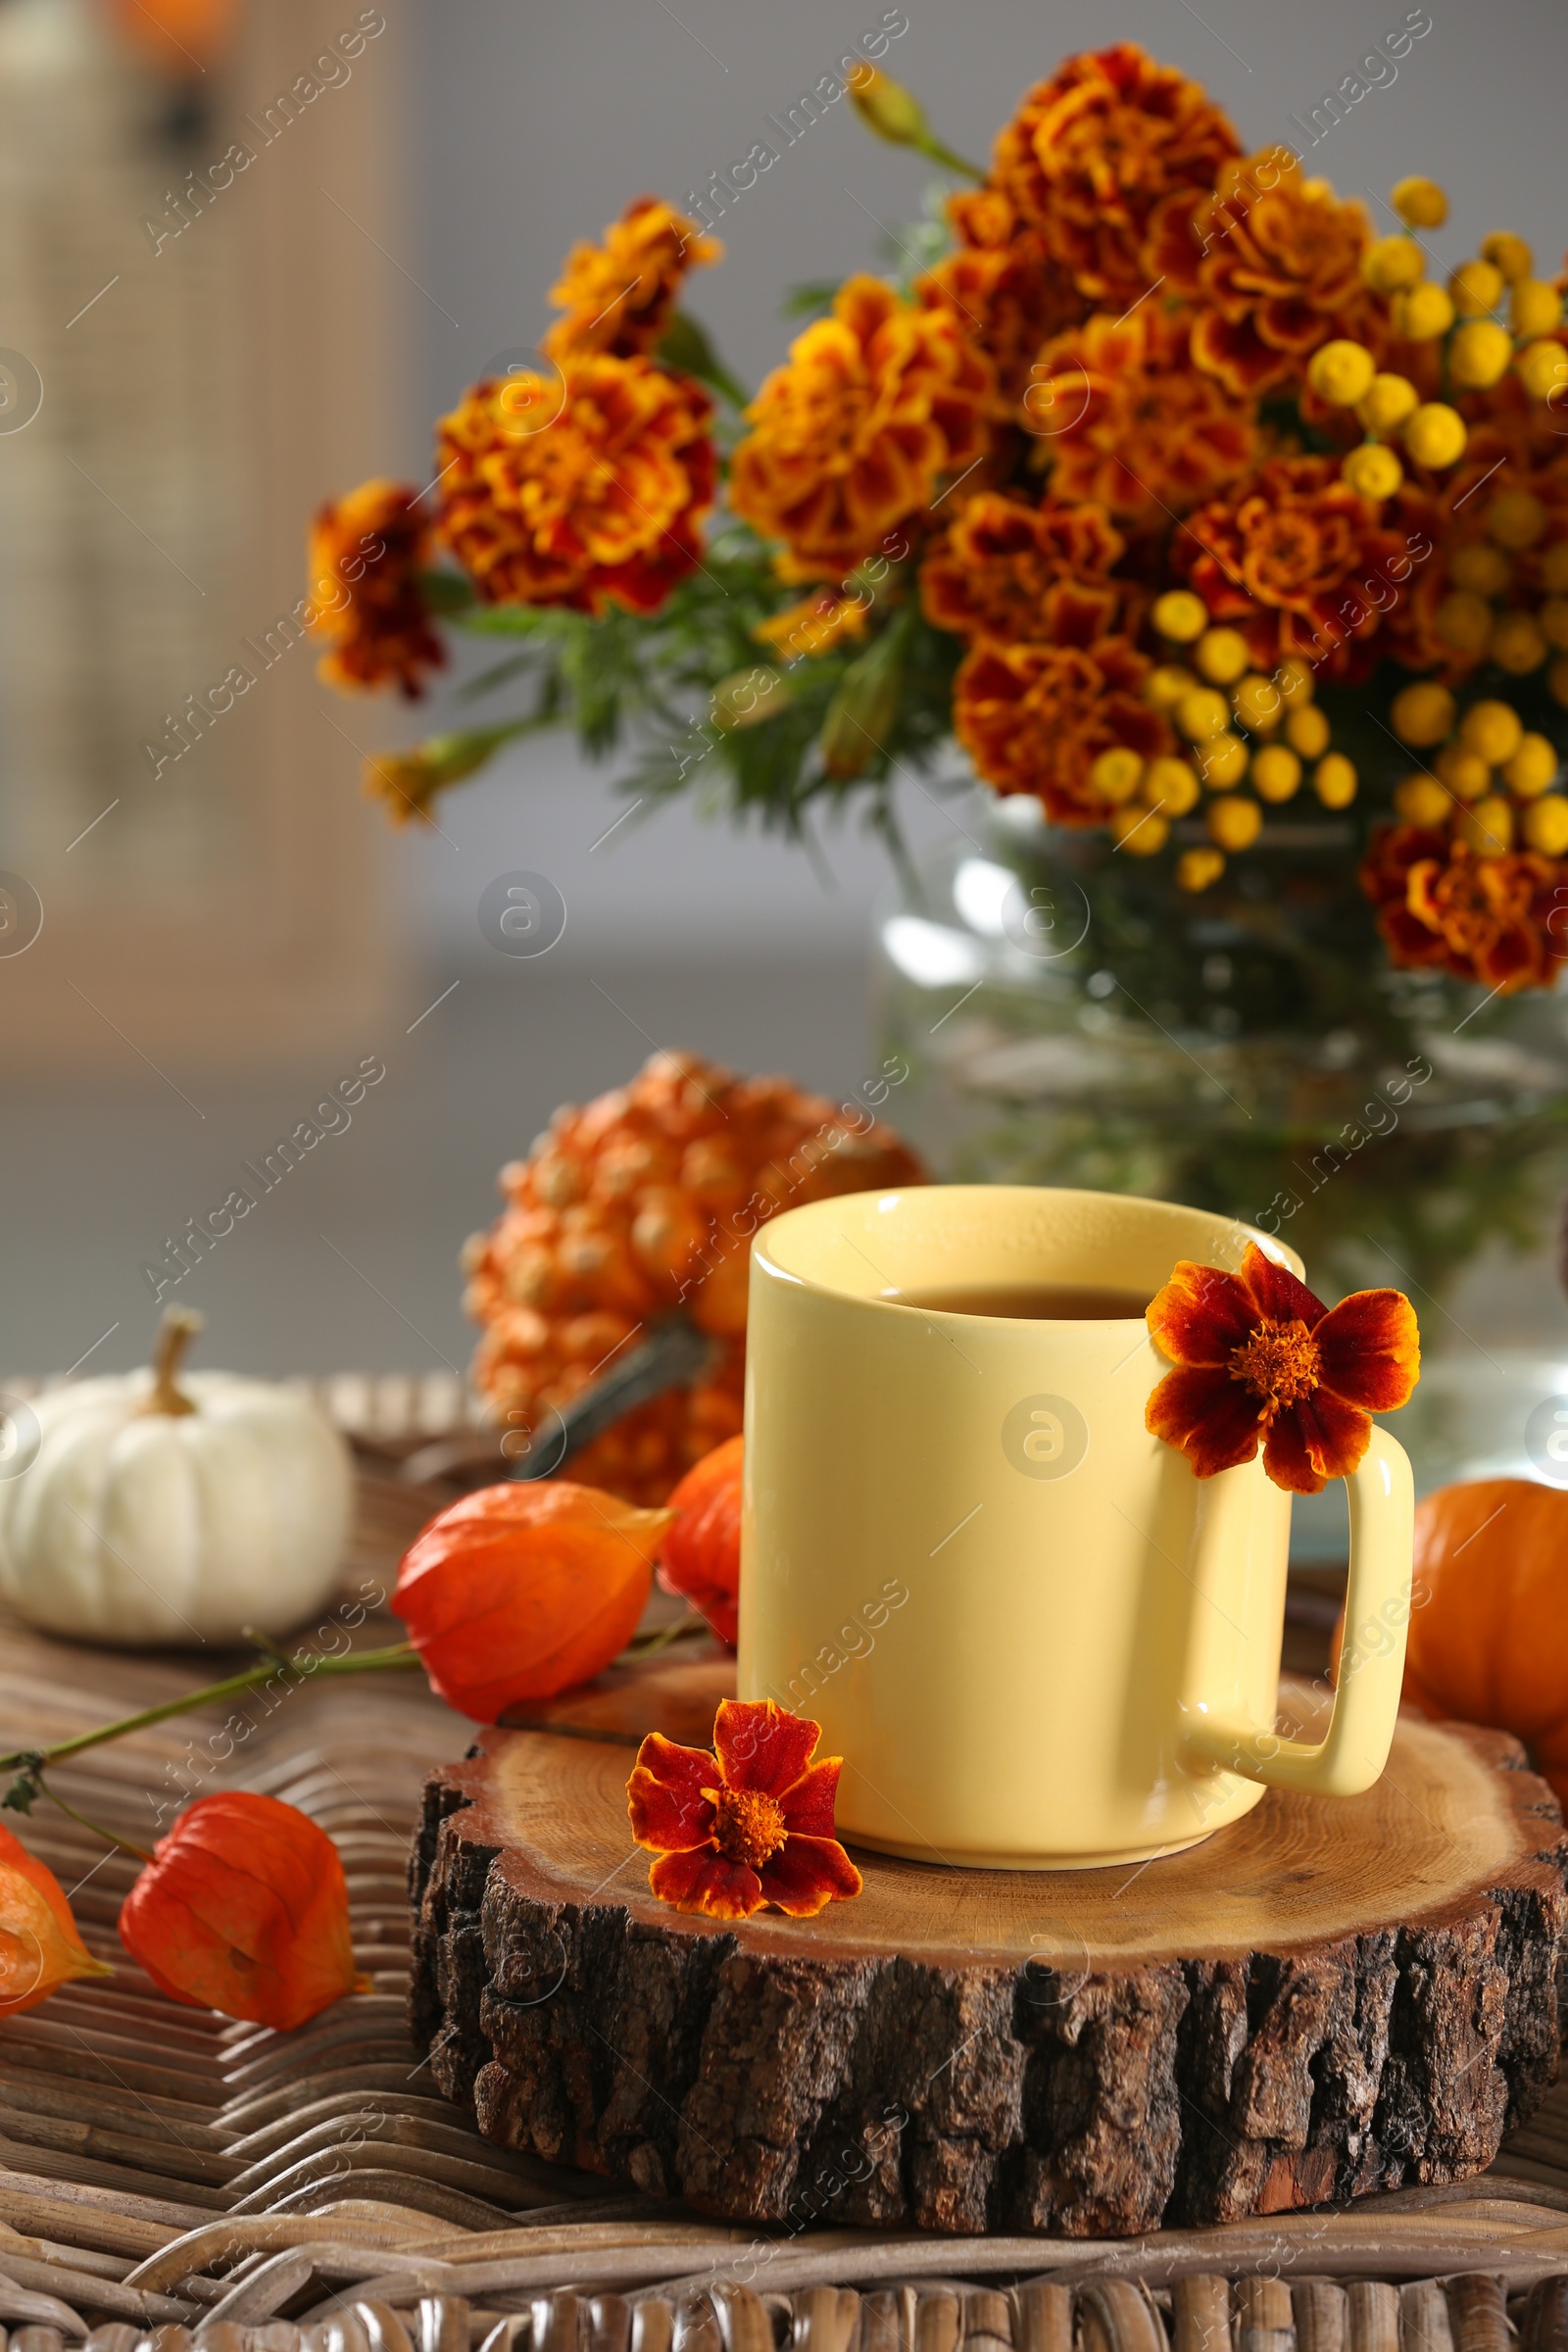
x=1489, y=1620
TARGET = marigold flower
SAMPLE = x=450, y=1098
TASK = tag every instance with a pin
x=244, y=1908
x=749, y=1825
x=1283, y=559
x=1092, y=152
x=40, y=1946
x=1024, y=574
x=699, y=1556
x=524, y=1590
x=584, y=492
x=618, y=297
x=1274, y=262
x=1004, y=287
x=1036, y=717
x=874, y=406
x=367, y=552
x=1127, y=422
x=1487, y=919
x=1258, y=1358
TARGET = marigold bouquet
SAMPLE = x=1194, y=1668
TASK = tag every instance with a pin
x=1170, y=489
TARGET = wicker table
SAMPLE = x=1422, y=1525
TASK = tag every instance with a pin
x=162, y=2167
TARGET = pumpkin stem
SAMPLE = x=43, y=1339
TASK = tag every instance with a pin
x=175, y=1332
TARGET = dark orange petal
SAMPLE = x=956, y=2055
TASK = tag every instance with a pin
x=807, y=1874
x=705, y=1882
x=809, y=1806
x=1371, y=1349
x=1200, y=1315
x=665, y=1795
x=1213, y=1418
x=1279, y=1295
x=1319, y=1439
x=762, y=1746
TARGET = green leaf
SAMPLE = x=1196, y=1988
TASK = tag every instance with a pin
x=446, y=591
x=685, y=345
x=811, y=299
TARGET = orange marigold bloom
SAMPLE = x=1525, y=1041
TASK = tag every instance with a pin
x=1092, y=152
x=1272, y=259
x=1002, y=284
x=41, y=1944
x=1283, y=558
x=1024, y=574
x=584, y=492
x=1125, y=420
x=1035, y=719
x=748, y=1825
x=1259, y=1358
x=619, y=296
x=1489, y=919
x=875, y=405
x=367, y=552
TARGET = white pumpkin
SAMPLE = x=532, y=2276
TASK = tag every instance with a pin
x=171, y=1514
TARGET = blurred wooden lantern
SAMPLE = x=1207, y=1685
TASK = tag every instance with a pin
x=183, y=38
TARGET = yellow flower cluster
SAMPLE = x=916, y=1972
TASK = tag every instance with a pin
x=1482, y=571
x=1478, y=349
x=1241, y=727
x=1490, y=781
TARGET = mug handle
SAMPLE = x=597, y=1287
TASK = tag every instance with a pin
x=1356, y=1746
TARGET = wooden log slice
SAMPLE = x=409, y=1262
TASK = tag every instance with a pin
x=1325, y=1999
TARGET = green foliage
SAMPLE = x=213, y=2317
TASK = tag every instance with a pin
x=640, y=687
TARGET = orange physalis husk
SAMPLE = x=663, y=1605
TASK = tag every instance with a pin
x=244, y=1908
x=522, y=1591
x=746, y=1826
x=1259, y=1358
x=701, y=1554
x=40, y=1948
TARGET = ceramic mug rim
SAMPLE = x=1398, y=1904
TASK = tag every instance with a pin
x=822, y=1213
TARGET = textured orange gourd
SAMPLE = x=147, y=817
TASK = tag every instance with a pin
x=701, y=1555
x=40, y=1948
x=523, y=1590
x=1489, y=1624
x=244, y=1908
x=639, y=1204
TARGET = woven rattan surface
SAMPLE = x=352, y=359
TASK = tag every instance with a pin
x=160, y=2166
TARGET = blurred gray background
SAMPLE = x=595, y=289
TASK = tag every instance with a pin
x=520, y=128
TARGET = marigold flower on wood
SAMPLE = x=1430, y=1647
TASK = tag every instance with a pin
x=1273, y=261
x=525, y=1590
x=749, y=1825
x=1260, y=1360
x=583, y=491
x=1036, y=717
x=699, y=1556
x=40, y=1946
x=244, y=1908
x=367, y=552
x=619, y=296
x=852, y=436
x=1124, y=419
x=1092, y=152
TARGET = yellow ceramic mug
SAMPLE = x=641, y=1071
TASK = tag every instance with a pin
x=1036, y=1637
